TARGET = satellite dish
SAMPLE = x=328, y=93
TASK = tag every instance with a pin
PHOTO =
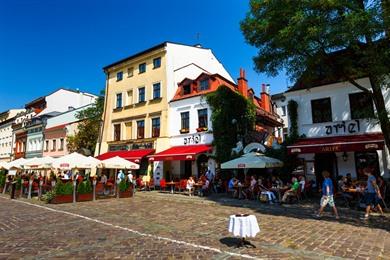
x=254, y=147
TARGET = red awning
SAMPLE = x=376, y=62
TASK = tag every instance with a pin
x=347, y=143
x=132, y=155
x=180, y=153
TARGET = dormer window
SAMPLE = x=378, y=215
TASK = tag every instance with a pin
x=186, y=89
x=204, y=85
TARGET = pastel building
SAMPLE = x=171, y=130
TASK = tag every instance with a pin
x=7, y=118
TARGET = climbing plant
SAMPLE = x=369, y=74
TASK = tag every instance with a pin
x=292, y=107
x=232, y=118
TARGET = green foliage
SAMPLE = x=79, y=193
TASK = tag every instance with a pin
x=338, y=40
x=292, y=108
x=123, y=186
x=227, y=106
x=63, y=189
x=18, y=183
x=88, y=127
x=84, y=187
x=48, y=196
x=2, y=179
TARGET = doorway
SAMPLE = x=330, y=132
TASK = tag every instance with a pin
x=325, y=162
x=187, y=169
x=202, y=164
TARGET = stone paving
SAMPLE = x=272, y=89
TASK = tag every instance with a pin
x=165, y=226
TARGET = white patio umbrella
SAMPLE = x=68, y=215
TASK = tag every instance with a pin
x=252, y=160
x=119, y=163
x=16, y=163
x=75, y=160
x=38, y=163
x=3, y=165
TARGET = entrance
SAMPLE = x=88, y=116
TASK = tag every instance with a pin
x=325, y=162
x=202, y=164
x=187, y=169
x=369, y=160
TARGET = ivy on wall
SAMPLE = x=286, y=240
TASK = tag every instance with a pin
x=233, y=117
x=292, y=107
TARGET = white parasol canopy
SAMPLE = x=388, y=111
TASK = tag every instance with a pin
x=16, y=163
x=38, y=163
x=75, y=160
x=3, y=165
x=252, y=160
x=119, y=163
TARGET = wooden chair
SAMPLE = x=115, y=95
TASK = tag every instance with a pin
x=99, y=188
x=151, y=185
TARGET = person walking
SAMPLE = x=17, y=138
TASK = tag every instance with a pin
x=327, y=195
x=372, y=195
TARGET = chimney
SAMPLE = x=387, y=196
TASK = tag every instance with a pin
x=242, y=84
x=265, y=98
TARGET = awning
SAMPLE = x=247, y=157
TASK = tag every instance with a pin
x=180, y=153
x=347, y=143
x=132, y=155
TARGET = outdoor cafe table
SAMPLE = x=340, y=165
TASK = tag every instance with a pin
x=243, y=225
x=198, y=186
x=172, y=184
x=240, y=189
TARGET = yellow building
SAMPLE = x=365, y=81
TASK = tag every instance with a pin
x=138, y=91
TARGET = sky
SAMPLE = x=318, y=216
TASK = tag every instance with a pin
x=46, y=44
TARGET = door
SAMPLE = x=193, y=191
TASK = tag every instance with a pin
x=187, y=169
x=325, y=162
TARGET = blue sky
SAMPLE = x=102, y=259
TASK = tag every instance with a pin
x=47, y=44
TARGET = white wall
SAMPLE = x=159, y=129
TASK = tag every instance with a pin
x=65, y=118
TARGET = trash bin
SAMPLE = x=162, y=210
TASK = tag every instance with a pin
x=13, y=189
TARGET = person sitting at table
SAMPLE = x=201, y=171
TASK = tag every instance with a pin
x=348, y=180
x=205, y=188
x=103, y=179
x=190, y=185
x=292, y=192
x=302, y=182
x=233, y=182
x=271, y=198
x=252, y=187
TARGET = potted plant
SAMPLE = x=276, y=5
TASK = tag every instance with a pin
x=2, y=181
x=84, y=191
x=201, y=129
x=63, y=193
x=184, y=130
x=124, y=189
x=18, y=186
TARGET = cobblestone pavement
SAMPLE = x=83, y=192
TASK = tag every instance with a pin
x=165, y=226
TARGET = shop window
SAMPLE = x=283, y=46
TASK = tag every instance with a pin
x=367, y=160
x=321, y=110
x=361, y=105
x=156, y=127
x=140, y=129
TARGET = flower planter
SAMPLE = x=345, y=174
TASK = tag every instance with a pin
x=84, y=197
x=126, y=194
x=62, y=199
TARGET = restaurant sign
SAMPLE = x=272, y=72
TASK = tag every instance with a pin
x=343, y=127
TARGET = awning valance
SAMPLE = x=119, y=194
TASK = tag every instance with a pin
x=347, y=143
x=180, y=153
x=132, y=155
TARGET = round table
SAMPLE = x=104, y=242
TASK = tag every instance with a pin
x=243, y=225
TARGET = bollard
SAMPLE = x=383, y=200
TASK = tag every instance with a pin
x=117, y=189
x=30, y=182
x=74, y=190
x=13, y=189
x=40, y=189
x=94, y=189
x=5, y=187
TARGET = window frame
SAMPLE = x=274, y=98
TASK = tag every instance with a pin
x=142, y=65
x=121, y=100
x=324, y=117
x=131, y=69
x=368, y=107
x=184, y=89
x=139, y=136
x=159, y=90
x=159, y=63
x=54, y=145
x=144, y=94
x=117, y=132
x=202, y=117
x=201, y=88
x=185, y=121
x=156, y=130
x=119, y=76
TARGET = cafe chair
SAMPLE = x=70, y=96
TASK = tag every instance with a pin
x=163, y=184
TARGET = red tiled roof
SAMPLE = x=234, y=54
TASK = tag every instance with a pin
x=180, y=153
x=132, y=155
x=364, y=142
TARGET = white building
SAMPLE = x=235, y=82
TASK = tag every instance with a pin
x=339, y=137
x=281, y=108
x=7, y=118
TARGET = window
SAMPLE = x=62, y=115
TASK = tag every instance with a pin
x=157, y=63
x=361, y=106
x=156, y=90
x=47, y=145
x=119, y=76
x=156, y=127
x=128, y=130
x=117, y=132
x=61, y=144
x=142, y=68
x=202, y=117
x=204, y=84
x=186, y=89
x=129, y=97
x=130, y=72
x=140, y=129
x=54, y=145
x=321, y=110
x=283, y=110
x=141, y=94
x=119, y=100
x=185, y=121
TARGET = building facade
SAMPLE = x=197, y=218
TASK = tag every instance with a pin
x=138, y=90
x=341, y=135
x=7, y=118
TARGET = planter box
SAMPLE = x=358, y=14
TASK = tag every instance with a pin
x=84, y=197
x=126, y=194
x=62, y=199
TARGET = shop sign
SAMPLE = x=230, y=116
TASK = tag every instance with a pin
x=192, y=139
x=241, y=165
x=343, y=127
x=371, y=146
x=333, y=148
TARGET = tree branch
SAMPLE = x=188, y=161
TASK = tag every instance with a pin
x=353, y=82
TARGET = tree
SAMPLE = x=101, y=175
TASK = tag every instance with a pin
x=88, y=128
x=233, y=116
x=343, y=38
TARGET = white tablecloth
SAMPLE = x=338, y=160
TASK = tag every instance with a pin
x=243, y=226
